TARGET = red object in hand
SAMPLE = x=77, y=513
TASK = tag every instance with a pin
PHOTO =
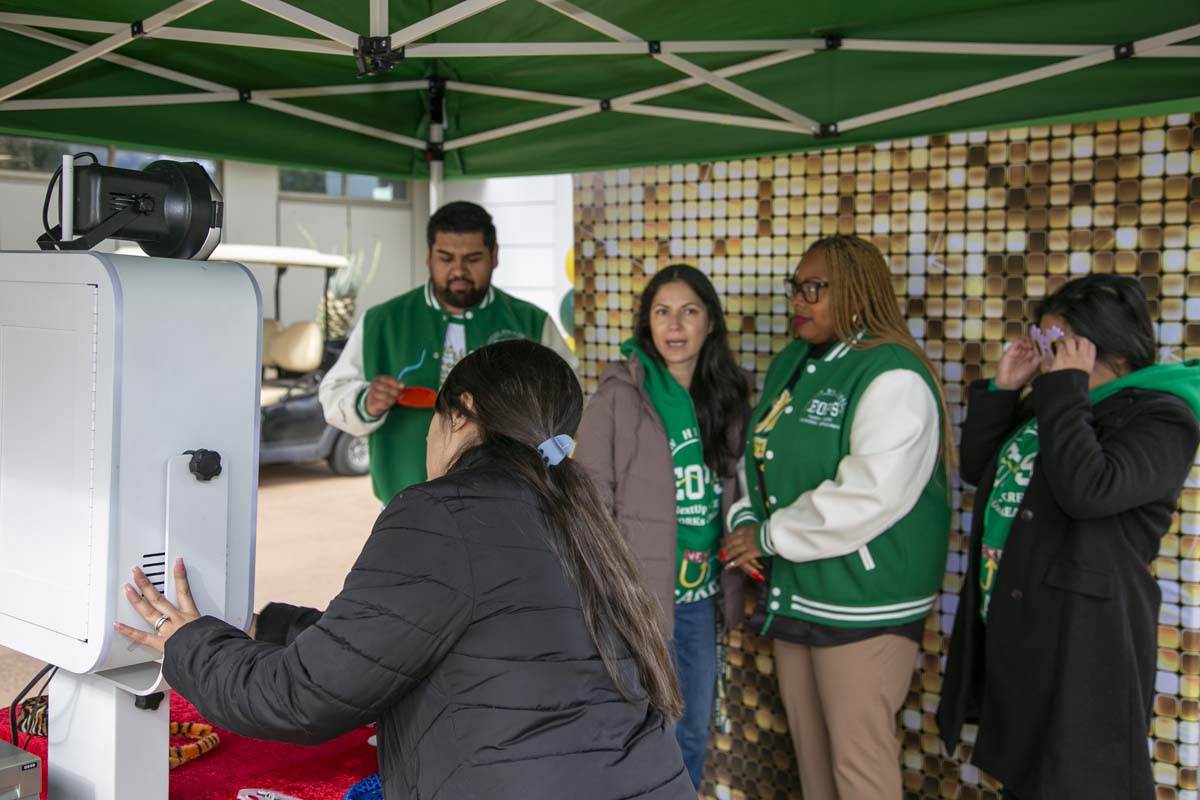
x=721, y=554
x=758, y=576
x=416, y=397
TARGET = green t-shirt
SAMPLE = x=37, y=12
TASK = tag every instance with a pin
x=697, y=491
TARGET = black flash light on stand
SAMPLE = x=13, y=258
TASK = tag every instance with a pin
x=171, y=209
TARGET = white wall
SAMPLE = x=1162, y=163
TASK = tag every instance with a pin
x=534, y=228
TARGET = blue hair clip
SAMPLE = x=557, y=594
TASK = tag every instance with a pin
x=554, y=450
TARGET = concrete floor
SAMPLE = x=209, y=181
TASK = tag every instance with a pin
x=311, y=527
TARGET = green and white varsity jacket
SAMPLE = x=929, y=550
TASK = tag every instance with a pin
x=392, y=336
x=851, y=499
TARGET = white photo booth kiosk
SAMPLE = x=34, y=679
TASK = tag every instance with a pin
x=128, y=437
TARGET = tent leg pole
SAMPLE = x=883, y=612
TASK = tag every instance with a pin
x=437, y=166
x=435, y=186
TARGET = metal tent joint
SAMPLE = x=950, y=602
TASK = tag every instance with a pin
x=828, y=130
x=137, y=29
x=833, y=41
x=375, y=56
x=244, y=95
x=654, y=47
x=1123, y=50
x=435, y=151
x=606, y=105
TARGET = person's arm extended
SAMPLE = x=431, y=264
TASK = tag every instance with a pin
x=405, y=603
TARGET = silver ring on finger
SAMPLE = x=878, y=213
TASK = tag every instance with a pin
x=161, y=621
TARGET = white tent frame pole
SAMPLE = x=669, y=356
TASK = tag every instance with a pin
x=711, y=117
x=520, y=94
x=1020, y=79
x=337, y=122
x=309, y=21
x=178, y=34
x=536, y=49
x=61, y=23
x=99, y=49
x=124, y=61
x=220, y=91
x=521, y=49
x=293, y=44
x=379, y=17
x=726, y=72
x=623, y=106
x=624, y=102
x=618, y=33
x=217, y=96
x=66, y=103
x=521, y=127
x=740, y=92
x=442, y=19
x=342, y=90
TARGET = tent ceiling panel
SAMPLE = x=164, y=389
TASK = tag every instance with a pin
x=593, y=83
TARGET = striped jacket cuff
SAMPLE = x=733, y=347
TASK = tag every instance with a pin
x=743, y=517
x=360, y=405
x=764, y=538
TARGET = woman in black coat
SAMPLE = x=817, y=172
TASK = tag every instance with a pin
x=1053, y=651
x=493, y=625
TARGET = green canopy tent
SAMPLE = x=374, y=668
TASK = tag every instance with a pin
x=489, y=87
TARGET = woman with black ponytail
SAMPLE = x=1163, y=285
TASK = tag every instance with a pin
x=493, y=625
x=1054, y=644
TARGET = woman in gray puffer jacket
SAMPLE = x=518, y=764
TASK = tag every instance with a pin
x=493, y=625
x=661, y=438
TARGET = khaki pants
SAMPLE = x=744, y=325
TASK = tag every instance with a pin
x=841, y=706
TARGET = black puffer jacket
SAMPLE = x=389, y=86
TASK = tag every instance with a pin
x=460, y=633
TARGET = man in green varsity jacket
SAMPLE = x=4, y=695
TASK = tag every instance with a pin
x=412, y=341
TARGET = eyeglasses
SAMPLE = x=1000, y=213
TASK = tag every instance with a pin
x=809, y=289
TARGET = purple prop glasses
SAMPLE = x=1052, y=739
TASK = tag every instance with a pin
x=1043, y=339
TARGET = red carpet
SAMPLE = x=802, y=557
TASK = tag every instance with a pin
x=310, y=773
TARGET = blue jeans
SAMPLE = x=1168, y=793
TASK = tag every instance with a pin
x=695, y=652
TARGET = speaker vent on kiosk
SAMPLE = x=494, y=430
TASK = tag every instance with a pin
x=155, y=567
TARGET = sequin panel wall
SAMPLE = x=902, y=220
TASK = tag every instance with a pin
x=975, y=226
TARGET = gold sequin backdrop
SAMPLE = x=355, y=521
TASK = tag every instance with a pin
x=974, y=225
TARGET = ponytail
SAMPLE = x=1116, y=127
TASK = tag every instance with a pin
x=522, y=395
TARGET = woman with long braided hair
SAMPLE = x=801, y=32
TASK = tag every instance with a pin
x=846, y=468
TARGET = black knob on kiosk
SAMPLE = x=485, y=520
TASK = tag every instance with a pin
x=205, y=464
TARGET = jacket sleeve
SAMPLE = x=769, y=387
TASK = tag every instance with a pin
x=343, y=390
x=894, y=445
x=992, y=414
x=594, y=445
x=1136, y=465
x=741, y=512
x=553, y=339
x=407, y=600
x=281, y=623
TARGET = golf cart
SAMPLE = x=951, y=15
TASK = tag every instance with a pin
x=294, y=359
